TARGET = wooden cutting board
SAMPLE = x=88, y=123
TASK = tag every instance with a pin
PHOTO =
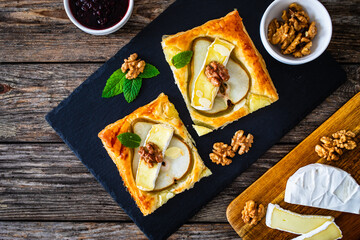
x=270, y=188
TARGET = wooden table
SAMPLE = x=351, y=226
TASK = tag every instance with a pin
x=45, y=191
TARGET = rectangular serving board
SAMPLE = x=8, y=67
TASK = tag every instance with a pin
x=80, y=117
x=270, y=188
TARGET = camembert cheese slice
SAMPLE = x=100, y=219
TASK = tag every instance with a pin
x=204, y=92
x=328, y=231
x=281, y=219
x=159, y=134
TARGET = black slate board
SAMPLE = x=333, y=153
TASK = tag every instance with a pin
x=80, y=117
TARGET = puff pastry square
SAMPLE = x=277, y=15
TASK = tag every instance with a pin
x=161, y=110
x=261, y=91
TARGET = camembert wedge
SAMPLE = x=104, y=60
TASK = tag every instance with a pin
x=281, y=219
x=323, y=186
x=159, y=134
x=328, y=231
x=204, y=92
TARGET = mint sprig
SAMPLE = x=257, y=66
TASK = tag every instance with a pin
x=132, y=89
x=182, y=59
x=149, y=71
x=114, y=85
x=130, y=140
x=118, y=83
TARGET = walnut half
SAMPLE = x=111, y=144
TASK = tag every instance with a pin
x=240, y=141
x=216, y=73
x=220, y=154
x=252, y=213
x=134, y=65
x=151, y=154
x=331, y=148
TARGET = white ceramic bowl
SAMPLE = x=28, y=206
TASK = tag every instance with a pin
x=102, y=31
x=316, y=11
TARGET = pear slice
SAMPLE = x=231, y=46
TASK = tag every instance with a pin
x=220, y=104
x=238, y=83
x=142, y=129
x=175, y=165
x=200, y=49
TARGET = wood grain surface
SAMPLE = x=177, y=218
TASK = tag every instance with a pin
x=45, y=191
x=347, y=117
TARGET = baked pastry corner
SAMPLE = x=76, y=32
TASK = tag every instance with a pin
x=261, y=91
x=162, y=111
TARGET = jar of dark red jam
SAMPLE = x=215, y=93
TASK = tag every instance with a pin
x=98, y=14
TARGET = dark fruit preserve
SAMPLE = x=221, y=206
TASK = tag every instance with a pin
x=99, y=14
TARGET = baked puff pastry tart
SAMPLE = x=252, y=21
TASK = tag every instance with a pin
x=158, y=124
x=216, y=102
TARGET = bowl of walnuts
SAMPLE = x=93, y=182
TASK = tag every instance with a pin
x=295, y=32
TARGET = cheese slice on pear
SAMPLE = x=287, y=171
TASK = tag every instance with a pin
x=200, y=50
x=204, y=92
x=159, y=134
x=281, y=219
x=328, y=231
x=142, y=129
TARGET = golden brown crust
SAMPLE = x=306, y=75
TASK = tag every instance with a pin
x=160, y=110
x=230, y=28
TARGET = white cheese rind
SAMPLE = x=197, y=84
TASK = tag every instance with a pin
x=323, y=186
x=320, y=229
x=310, y=222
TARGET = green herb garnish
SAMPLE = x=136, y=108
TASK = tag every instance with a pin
x=130, y=140
x=180, y=60
x=118, y=83
x=149, y=71
x=132, y=88
x=114, y=85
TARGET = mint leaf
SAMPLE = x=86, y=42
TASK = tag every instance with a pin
x=114, y=85
x=149, y=71
x=180, y=60
x=131, y=89
x=130, y=140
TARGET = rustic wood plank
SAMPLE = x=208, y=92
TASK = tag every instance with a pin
x=345, y=41
x=37, y=88
x=39, y=31
x=47, y=182
x=109, y=230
